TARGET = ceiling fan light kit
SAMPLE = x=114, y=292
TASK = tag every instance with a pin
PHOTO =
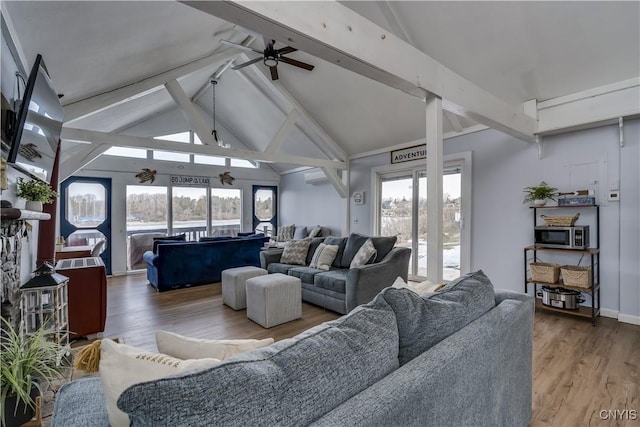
x=270, y=57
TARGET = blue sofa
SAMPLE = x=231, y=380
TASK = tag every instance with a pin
x=180, y=264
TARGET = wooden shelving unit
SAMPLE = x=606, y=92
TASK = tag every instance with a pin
x=594, y=257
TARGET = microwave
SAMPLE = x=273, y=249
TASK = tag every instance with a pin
x=576, y=237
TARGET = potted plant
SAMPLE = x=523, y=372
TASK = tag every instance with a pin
x=27, y=362
x=538, y=194
x=35, y=193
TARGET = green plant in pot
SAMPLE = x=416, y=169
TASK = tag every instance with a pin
x=37, y=192
x=538, y=194
x=27, y=364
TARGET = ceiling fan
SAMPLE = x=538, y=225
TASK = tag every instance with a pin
x=270, y=57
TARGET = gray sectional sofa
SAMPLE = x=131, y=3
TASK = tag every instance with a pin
x=459, y=357
x=341, y=289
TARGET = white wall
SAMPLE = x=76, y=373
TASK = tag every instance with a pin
x=502, y=224
x=310, y=204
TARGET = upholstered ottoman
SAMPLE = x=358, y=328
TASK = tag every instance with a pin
x=234, y=293
x=274, y=299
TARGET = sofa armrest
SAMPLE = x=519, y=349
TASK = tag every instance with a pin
x=364, y=283
x=269, y=256
x=150, y=258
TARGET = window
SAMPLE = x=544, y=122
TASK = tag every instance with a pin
x=189, y=211
x=172, y=156
x=137, y=153
x=146, y=209
x=226, y=212
x=86, y=204
x=240, y=163
x=209, y=160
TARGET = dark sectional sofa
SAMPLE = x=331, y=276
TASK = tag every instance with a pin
x=179, y=264
x=341, y=289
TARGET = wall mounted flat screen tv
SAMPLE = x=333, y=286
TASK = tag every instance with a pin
x=38, y=125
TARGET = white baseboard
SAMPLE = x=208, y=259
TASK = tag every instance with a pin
x=604, y=312
x=627, y=318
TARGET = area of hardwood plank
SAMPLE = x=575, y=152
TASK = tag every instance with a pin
x=578, y=369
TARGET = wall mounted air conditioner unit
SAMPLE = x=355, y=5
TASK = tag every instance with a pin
x=315, y=176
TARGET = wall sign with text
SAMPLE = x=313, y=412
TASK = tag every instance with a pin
x=189, y=180
x=408, y=154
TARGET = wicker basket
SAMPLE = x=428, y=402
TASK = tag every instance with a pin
x=573, y=275
x=560, y=221
x=544, y=272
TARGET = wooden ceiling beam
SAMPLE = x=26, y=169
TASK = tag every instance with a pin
x=335, y=33
x=94, y=104
x=94, y=137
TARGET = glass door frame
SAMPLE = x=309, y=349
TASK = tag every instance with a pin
x=461, y=161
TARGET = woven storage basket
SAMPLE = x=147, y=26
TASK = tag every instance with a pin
x=573, y=275
x=560, y=221
x=544, y=272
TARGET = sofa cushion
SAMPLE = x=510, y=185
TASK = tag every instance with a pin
x=292, y=382
x=167, y=239
x=383, y=245
x=300, y=232
x=365, y=255
x=305, y=274
x=341, y=242
x=425, y=321
x=313, y=246
x=278, y=267
x=335, y=280
x=295, y=252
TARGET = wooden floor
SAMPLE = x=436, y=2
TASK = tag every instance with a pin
x=579, y=370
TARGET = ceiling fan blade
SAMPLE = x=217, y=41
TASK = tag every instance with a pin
x=286, y=50
x=239, y=46
x=296, y=63
x=274, y=73
x=245, y=64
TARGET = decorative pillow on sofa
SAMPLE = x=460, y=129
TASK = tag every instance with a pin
x=365, y=254
x=285, y=233
x=300, y=233
x=295, y=252
x=425, y=321
x=214, y=238
x=315, y=231
x=324, y=256
x=193, y=348
x=122, y=366
x=168, y=239
x=422, y=288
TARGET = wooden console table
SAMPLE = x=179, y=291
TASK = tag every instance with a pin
x=68, y=252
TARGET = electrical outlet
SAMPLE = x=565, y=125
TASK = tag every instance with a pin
x=614, y=195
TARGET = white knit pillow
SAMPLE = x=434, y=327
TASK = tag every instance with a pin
x=193, y=348
x=122, y=366
x=323, y=256
x=364, y=254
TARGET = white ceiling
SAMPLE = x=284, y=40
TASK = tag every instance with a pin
x=516, y=50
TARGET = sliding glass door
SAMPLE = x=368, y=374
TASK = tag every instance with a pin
x=402, y=212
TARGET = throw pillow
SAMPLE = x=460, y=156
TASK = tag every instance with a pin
x=285, y=233
x=425, y=321
x=193, y=348
x=122, y=366
x=423, y=288
x=315, y=231
x=295, y=252
x=324, y=256
x=365, y=254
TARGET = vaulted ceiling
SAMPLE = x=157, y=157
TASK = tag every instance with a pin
x=517, y=51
